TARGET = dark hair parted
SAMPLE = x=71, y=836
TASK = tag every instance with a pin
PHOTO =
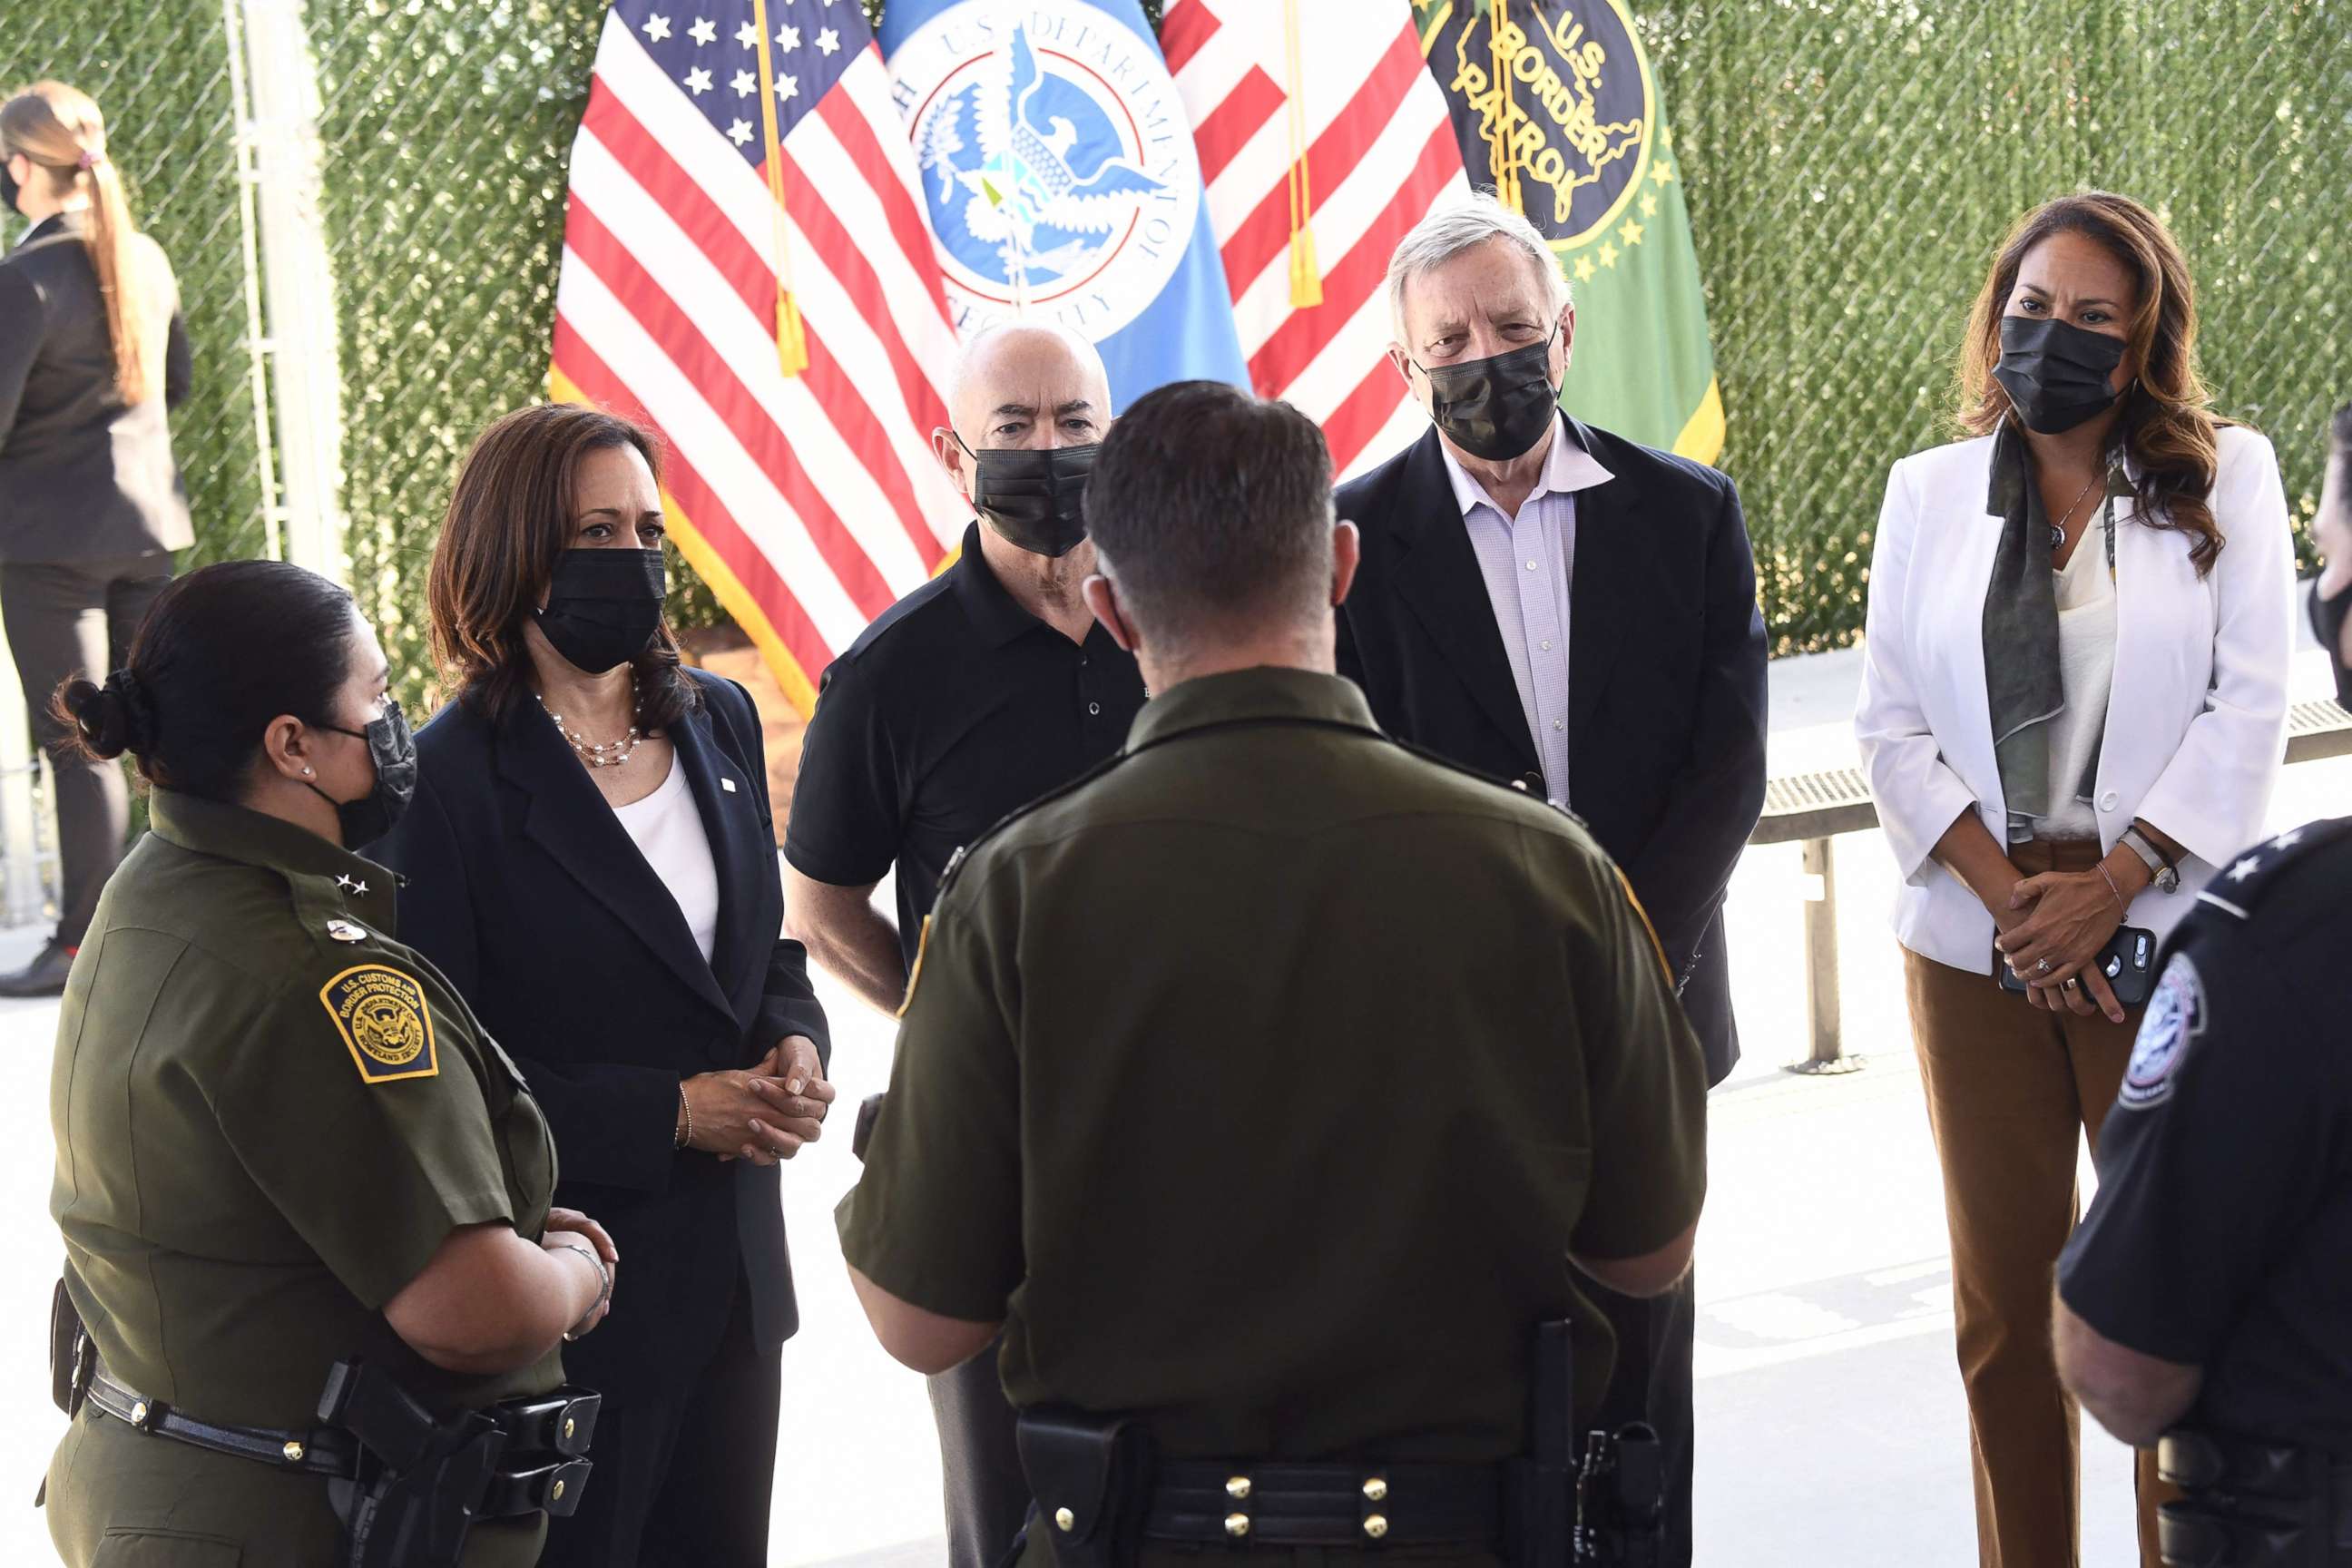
x=2167, y=429
x=223, y=651
x=1212, y=509
x=510, y=521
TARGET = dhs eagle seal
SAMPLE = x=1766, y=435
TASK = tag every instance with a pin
x=384, y=1021
x=1055, y=159
x=2174, y=1020
x=1555, y=98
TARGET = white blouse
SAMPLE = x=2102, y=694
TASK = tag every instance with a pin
x=2086, y=668
x=666, y=827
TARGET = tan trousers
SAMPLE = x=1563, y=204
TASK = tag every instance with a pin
x=2009, y=1088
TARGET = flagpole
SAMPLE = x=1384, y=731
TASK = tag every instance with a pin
x=1306, y=272
x=1507, y=166
x=791, y=343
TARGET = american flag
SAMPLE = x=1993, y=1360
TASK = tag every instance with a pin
x=808, y=501
x=1320, y=117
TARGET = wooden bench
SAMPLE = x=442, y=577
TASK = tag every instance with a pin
x=1813, y=809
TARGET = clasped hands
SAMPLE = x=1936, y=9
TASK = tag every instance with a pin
x=764, y=1114
x=2051, y=931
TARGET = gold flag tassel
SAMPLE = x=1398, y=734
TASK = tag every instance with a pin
x=791, y=342
x=1306, y=272
x=1507, y=163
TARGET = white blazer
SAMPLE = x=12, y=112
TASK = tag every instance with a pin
x=2196, y=725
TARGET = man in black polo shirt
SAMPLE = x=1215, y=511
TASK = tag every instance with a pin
x=968, y=699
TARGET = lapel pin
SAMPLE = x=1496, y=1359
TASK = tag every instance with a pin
x=344, y=930
x=726, y=784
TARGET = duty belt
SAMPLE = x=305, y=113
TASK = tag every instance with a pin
x=2252, y=1504
x=556, y=1426
x=1326, y=1504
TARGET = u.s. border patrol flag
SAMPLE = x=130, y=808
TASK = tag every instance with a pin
x=1059, y=176
x=1555, y=108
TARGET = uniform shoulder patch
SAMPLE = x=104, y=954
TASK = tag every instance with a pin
x=2174, y=1020
x=384, y=1020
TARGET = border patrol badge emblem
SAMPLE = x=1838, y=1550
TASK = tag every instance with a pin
x=384, y=1021
x=1559, y=97
x=2175, y=1017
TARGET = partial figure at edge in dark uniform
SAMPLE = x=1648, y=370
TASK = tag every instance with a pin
x=92, y=355
x=2205, y=1303
x=282, y=1140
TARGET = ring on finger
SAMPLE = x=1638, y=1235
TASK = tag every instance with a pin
x=2041, y=967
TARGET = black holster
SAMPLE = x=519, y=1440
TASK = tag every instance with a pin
x=1605, y=1506
x=421, y=1481
x=2252, y=1504
x=1092, y=1478
x=73, y=1358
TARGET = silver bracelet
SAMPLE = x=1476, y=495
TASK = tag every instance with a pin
x=603, y=1288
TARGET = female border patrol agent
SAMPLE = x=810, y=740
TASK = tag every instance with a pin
x=282, y=1139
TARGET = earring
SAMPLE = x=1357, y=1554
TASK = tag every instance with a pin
x=310, y=773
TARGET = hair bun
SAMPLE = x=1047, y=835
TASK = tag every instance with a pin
x=114, y=717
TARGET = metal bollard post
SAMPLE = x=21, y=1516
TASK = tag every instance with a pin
x=1822, y=961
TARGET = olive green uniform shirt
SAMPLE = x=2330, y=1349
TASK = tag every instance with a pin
x=1263, y=1081
x=269, y=1115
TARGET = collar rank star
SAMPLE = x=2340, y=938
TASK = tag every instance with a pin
x=384, y=1020
x=356, y=889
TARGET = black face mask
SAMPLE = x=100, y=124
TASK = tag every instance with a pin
x=2327, y=617
x=1497, y=407
x=393, y=751
x=603, y=606
x=2055, y=372
x=1036, y=497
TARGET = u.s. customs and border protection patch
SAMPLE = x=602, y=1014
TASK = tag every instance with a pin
x=2175, y=1017
x=384, y=1020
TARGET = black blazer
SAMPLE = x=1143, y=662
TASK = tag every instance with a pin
x=521, y=884
x=83, y=477
x=1667, y=694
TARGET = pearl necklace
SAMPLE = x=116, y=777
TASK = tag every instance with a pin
x=612, y=753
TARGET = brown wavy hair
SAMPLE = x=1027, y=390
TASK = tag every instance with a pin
x=510, y=521
x=2168, y=430
x=61, y=131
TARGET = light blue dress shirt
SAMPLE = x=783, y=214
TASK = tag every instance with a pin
x=1529, y=566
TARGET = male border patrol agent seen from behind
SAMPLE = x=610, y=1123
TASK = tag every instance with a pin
x=309, y=1247
x=2205, y=1304
x=1341, y=1054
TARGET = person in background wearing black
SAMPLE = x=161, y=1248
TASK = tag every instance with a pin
x=975, y=694
x=92, y=354
x=592, y=862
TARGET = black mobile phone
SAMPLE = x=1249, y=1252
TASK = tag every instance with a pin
x=2128, y=961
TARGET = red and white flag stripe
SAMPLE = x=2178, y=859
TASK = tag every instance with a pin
x=1380, y=156
x=813, y=501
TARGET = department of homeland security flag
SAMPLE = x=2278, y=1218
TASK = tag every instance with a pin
x=746, y=267
x=1556, y=108
x=1323, y=141
x=1059, y=171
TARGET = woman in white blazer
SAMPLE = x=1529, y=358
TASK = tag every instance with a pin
x=2073, y=710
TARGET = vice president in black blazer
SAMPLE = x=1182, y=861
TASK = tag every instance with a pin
x=1558, y=607
x=590, y=858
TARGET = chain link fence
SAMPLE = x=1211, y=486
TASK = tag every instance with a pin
x=1851, y=165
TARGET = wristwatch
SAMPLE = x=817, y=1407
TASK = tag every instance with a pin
x=2162, y=871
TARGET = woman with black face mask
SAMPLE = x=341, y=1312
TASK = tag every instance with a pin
x=283, y=1139
x=2073, y=710
x=590, y=861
